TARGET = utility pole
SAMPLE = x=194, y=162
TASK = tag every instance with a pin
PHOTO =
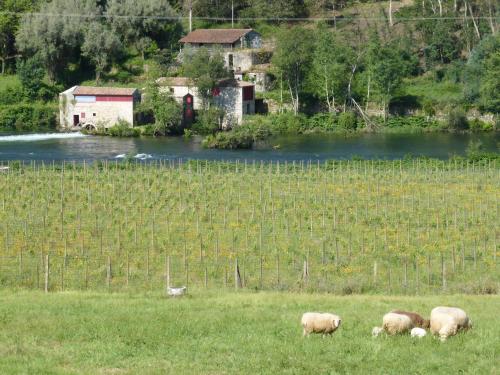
x=232, y=14
x=190, y=15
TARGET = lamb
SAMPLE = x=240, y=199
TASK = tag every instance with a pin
x=377, y=331
x=447, y=321
x=324, y=323
x=396, y=323
x=418, y=332
x=416, y=319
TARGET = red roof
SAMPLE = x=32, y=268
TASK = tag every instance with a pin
x=110, y=91
x=215, y=36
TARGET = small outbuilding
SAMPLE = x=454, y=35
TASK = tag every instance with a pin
x=92, y=107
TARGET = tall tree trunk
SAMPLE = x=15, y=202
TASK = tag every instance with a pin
x=390, y=13
x=474, y=22
x=3, y=66
x=492, y=25
x=440, y=8
x=368, y=94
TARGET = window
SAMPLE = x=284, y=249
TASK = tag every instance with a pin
x=93, y=114
x=83, y=115
x=171, y=90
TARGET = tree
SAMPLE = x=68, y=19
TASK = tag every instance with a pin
x=133, y=20
x=101, y=45
x=292, y=59
x=386, y=68
x=275, y=9
x=331, y=66
x=166, y=111
x=9, y=23
x=31, y=74
x=206, y=70
x=490, y=84
x=55, y=40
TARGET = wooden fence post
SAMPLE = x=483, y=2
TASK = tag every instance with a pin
x=261, y=276
x=443, y=271
x=237, y=275
x=375, y=272
x=108, y=273
x=47, y=271
x=417, y=272
x=167, y=272
x=278, y=269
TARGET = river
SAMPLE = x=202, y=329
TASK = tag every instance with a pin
x=75, y=146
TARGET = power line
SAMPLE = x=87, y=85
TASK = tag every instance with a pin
x=228, y=19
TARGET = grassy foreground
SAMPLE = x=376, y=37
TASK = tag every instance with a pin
x=228, y=333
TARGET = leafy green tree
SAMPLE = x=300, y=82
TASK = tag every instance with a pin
x=166, y=111
x=134, y=20
x=292, y=59
x=101, y=45
x=331, y=65
x=490, y=84
x=386, y=70
x=275, y=9
x=9, y=23
x=55, y=39
x=31, y=74
x=205, y=69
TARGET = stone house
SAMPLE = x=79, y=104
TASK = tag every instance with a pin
x=92, y=107
x=235, y=98
x=236, y=45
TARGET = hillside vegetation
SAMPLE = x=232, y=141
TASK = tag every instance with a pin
x=363, y=55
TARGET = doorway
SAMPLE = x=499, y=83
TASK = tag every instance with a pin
x=231, y=61
x=76, y=120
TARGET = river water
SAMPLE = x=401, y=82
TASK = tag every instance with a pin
x=58, y=147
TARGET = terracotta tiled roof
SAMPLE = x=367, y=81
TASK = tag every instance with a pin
x=187, y=82
x=218, y=36
x=112, y=91
x=234, y=83
x=175, y=81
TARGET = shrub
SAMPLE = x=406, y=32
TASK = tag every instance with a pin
x=208, y=121
x=229, y=140
x=457, y=120
x=28, y=117
x=348, y=121
x=477, y=125
x=11, y=95
x=123, y=129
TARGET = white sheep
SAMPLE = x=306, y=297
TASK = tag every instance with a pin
x=447, y=321
x=396, y=323
x=418, y=332
x=324, y=323
x=377, y=331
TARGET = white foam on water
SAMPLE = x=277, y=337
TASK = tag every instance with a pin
x=143, y=156
x=40, y=137
x=121, y=156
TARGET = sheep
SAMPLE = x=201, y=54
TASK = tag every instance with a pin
x=324, y=323
x=416, y=319
x=377, y=331
x=447, y=321
x=396, y=323
x=418, y=332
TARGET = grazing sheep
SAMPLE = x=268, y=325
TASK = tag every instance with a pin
x=416, y=319
x=418, y=332
x=447, y=321
x=324, y=323
x=377, y=331
x=396, y=323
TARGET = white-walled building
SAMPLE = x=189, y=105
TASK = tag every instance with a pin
x=87, y=107
x=236, y=98
x=236, y=45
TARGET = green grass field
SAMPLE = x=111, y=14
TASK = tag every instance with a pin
x=232, y=333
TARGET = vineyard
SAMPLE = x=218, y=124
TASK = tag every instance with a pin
x=406, y=226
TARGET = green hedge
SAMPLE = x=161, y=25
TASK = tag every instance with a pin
x=28, y=117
